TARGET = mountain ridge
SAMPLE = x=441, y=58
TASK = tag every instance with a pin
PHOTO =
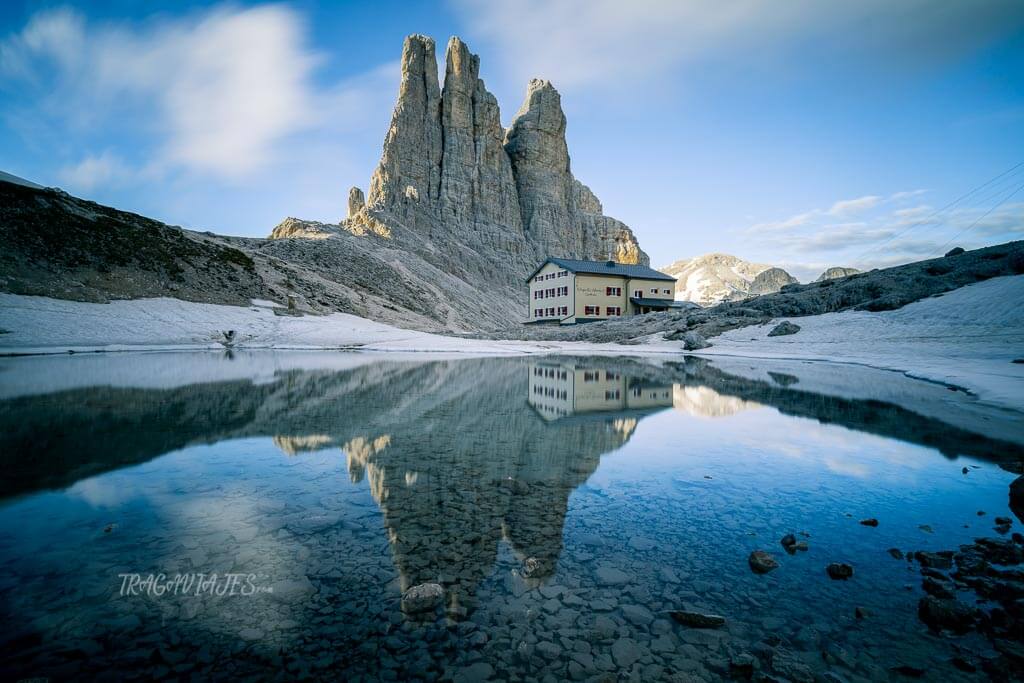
x=459, y=211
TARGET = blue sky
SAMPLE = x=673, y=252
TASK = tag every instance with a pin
x=802, y=134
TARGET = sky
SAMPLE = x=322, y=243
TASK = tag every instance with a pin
x=802, y=134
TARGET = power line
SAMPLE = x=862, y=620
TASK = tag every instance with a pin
x=980, y=218
x=929, y=218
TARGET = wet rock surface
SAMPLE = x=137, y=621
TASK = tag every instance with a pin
x=761, y=562
x=982, y=592
x=839, y=571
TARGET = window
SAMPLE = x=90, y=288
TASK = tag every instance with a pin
x=563, y=310
x=613, y=291
x=551, y=311
x=538, y=312
x=612, y=376
x=654, y=290
x=637, y=392
x=638, y=294
x=614, y=310
x=611, y=395
x=666, y=291
x=591, y=310
x=591, y=375
x=563, y=291
x=551, y=292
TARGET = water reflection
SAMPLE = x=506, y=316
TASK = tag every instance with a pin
x=560, y=390
x=467, y=462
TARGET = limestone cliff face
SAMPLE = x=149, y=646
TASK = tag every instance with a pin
x=409, y=173
x=453, y=182
x=478, y=191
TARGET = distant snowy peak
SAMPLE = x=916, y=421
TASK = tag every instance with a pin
x=836, y=272
x=714, y=278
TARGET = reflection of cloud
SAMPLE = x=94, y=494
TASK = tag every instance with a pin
x=706, y=402
x=847, y=467
x=104, y=491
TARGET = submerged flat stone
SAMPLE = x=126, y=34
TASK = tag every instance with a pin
x=612, y=576
x=697, y=619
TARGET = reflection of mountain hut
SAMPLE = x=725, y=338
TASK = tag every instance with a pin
x=559, y=391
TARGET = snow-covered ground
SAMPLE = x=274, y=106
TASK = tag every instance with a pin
x=37, y=325
x=967, y=338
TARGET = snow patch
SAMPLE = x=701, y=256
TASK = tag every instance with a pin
x=965, y=338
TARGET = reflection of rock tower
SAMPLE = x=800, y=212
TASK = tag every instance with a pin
x=359, y=451
x=473, y=468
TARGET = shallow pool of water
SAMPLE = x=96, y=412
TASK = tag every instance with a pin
x=176, y=515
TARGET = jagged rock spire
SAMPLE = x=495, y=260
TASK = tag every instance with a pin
x=356, y=201
x=451, y=175
x=559, y=213
x=477, y=187
x=409, y=172
x=536, y=145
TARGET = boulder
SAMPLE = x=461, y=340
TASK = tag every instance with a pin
x=784, y=328
x=422, y=598
x=1000, y=550
x=940, y=560
x=839, y=571
x=946, y=614
x=955, y=251
x=1017, y=497
x=693, y=342
x=762, y=562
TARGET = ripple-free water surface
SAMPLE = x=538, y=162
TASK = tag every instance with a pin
x=565, y=505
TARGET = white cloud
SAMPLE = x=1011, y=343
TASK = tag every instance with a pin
x=884, y=233
x=94, y=171
x=222, y=88
x=609, y=42
x=904, y=218
x=906, y=194
x=849, y=207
